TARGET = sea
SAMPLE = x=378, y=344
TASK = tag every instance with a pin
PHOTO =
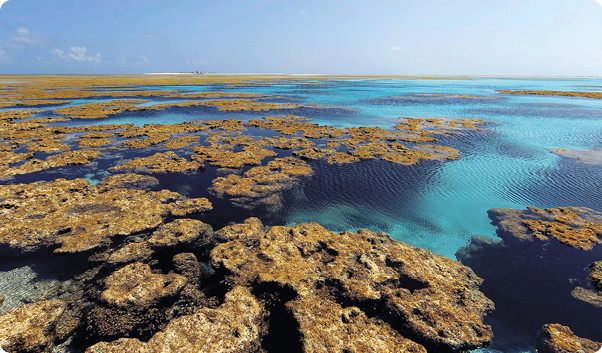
x=436, y=205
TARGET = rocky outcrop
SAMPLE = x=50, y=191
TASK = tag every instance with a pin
x=129, y=306
x=237, y=326
x=314, y=153
x=167, y=162
x=428, y=299
x=32, y=327
x=555, y=338
x=79, y=157
x=577, y=227
x=261, y=186
x=325, y=326
x=222, y=156
x=179, y=235
x=595, y=275
x=128, y=181
x=78, y=216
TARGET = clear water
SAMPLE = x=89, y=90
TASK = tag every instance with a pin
x=432, y=205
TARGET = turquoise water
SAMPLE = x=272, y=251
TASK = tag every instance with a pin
x=434, y=205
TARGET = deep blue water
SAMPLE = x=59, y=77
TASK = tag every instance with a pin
x=434, y=205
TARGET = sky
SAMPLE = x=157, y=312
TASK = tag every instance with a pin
x=377, y=37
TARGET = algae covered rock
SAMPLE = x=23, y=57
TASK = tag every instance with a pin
x=129, y=306
x=31, y=327
x=238, y=325
x=577, y=227
x=428, y=299
x=595, y=275
x=555, y=338
x=167, y=162
x=179, y=235
x=78, y=216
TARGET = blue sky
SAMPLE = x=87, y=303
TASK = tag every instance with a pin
x=469, y=37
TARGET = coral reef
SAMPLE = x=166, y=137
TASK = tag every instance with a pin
x=77, y=216
x=127, y=181
x=584, y=156
x=577, y=227
x=238, y=325
x=595, y=275
x=596, y=95
x=167, y=162
x=32, y=327
x=222, y=156
x=428, y=299
x=555, y=338
x=78, y=157
x=261, y=185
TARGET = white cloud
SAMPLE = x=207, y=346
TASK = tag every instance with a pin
x=77, y=54
x=2, y=3
x=24, y=36
x=197, y=63
x=399, y=48
x=3, y=55
x=142, y=60
x=599, y=2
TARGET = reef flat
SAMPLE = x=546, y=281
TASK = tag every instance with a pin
x=153, y=212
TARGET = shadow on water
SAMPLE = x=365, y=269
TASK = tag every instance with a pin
x=530, y=283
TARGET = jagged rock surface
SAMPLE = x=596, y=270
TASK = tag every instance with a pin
x=32, y=327
x=577, y=227
x=555, y=338
x=429, y=299
x=78, y=216
x=237, y=326
x=595, y=275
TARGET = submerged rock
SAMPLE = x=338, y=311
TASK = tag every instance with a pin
x=236, y=326
x=555, y=338
x=428, y=299
x=78, y=216
x=32, y=327
x=577, y=227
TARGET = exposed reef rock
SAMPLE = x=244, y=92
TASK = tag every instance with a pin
x=555, y=338
x=128, y=181
x=130, y=303
x=428, y=299
x=595, y=275
x=596, y=95
x=261, y=185
x=78, y=216
x=79, y=157
x=325, y=326
x=314, y=153
x=32, y=327
x=179, y=235
x=577, y=227
x=237, y=326
x=167, y=162
x=222, y=156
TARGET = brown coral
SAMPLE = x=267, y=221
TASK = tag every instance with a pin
x=555, y=338
x=237, y=326
x=167, y=162
x=430, y=299
x=78, y=216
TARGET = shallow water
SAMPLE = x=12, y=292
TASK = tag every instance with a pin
x=434, y=205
